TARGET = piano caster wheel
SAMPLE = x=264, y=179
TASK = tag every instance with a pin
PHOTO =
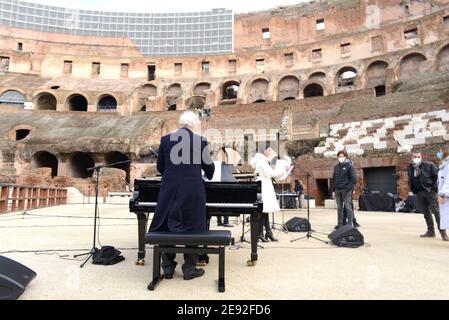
x=140, y=262
x=251, y=263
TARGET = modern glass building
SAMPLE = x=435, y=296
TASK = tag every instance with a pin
x=195, y=33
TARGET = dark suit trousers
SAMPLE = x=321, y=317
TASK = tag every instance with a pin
x=427, y=203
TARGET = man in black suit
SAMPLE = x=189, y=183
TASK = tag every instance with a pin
x=181, y=205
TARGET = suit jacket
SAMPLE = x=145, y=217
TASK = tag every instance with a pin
x=181, y=205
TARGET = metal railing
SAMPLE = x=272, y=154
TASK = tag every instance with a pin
x=16, y=198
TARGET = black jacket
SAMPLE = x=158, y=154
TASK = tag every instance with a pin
x=428, y=177
x=181, y=205
x=345, y=176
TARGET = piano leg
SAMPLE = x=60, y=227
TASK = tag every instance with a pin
x=255, y=222
x=142, y=219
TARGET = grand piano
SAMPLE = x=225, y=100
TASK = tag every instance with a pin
x=222, y=199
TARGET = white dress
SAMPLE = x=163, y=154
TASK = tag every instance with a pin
x=266, y=173
x=443, y=190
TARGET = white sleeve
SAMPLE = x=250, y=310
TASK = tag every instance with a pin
x=444, y=191
x=265, y=169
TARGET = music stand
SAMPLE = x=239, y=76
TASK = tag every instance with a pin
x=97, y=169
x=309, y=231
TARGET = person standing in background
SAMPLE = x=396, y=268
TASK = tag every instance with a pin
x=423, y=182
x=443, y=188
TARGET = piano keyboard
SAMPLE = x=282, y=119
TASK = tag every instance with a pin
x=211, y=205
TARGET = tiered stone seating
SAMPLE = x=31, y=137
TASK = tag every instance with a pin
x=400, y=133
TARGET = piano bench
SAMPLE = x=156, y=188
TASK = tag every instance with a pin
x=169, y=242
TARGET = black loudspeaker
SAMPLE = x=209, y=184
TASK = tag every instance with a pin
x=297, y=224
x=347, y=236
x=14, y=277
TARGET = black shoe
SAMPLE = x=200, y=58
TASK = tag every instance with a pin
x=428, y=234
x=337, y=226
x=203, y=260
x=195, y=274
x=227, y=225
x=219, y=224
x=263, y=239
x=168, y=272
x=356, y=224
x=270, y=236
x=444, y=235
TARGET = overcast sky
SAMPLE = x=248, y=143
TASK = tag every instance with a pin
x=168, y=5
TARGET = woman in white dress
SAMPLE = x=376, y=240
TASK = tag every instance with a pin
x=270, y=203
x=443, y=188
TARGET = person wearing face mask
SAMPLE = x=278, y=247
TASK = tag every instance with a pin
x=345, y=178
x=423, y=182
x=443, y=188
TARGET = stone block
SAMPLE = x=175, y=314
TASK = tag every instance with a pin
x=320, y=150
x=405, y=149
x=330, y=154
x=380, y=145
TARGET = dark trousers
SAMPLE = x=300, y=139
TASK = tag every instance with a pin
x=264, y=222
x=345, y=214
x=427, y=203
x=225, y=219
x=344, y=203
x=169, y=264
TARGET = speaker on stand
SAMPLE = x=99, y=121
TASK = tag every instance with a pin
x=14, y=277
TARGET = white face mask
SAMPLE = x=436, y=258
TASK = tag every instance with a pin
x=416, y=161
x=341, y=159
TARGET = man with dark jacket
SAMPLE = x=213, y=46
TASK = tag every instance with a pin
x=423, y=182
x=345, y=178
x=181, y=205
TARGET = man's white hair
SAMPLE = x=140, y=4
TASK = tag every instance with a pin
x=188, y=119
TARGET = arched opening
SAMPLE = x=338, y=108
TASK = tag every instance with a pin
x=107, y=104
x=13, y=97
x=44, y=159
x=289, y=98
x=195, y=103
x=380, y=90
x=22, y=134
x=259, y=101
x=146, y=95
x=174, y=92
x=411, y=65
x=115, y=156
x=346, y=77
x=230, y=90
x=201, y=88
x=288, y=88
x=317, y=76
x=443, y=59
x=313, y=90
x=79, y=162
x=258, y=90
x=45, y=101
x=376, y=73
x=77, y=102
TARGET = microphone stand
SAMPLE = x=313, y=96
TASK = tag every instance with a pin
x=97, y=169
x=309, y=231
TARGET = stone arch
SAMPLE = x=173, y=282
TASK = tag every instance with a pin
x=195, y=102
x=200, y=89
x=346, y=78
x=318, y=75
x=79, y=162
x=442, y=61
x=376, y=73
x=76, y=102
x=411, y=65
x=258, y=90
x=146, y=94
x=116, y=156
x=13, y=97
x=45, y=101
x=173, y=93
x=44, y=159
x=230, y=90
x=288, y=88
x=313, y=90
x=107, y=103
